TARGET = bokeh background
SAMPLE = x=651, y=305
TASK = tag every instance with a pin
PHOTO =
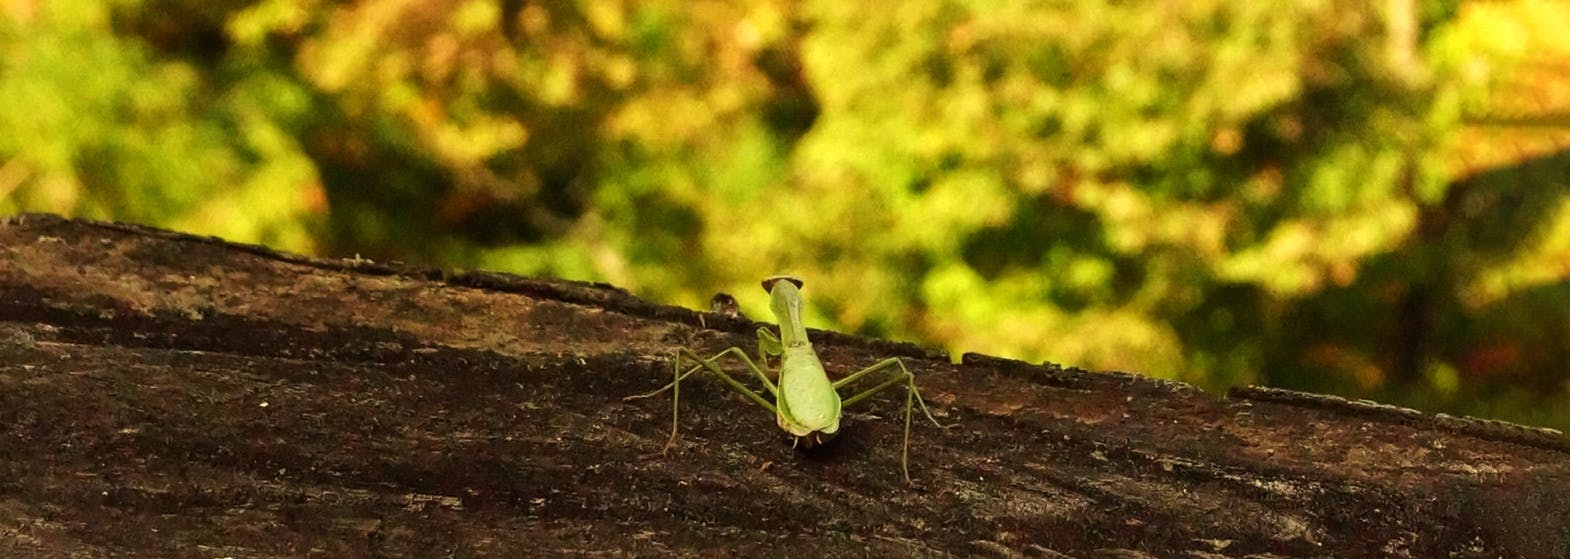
x=1359, y=197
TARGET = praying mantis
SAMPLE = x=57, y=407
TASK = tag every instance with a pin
x=806, y=404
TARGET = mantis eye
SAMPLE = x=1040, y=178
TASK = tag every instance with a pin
x=768, y=282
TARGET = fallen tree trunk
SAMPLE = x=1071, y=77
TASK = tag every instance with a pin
x=163, y=395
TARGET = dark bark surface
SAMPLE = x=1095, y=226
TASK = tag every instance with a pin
x=163, y=395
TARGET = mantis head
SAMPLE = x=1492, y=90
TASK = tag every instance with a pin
x=768, y=282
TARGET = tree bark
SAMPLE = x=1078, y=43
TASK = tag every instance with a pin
x=163, y=395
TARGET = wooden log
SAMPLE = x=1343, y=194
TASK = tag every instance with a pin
x=164, y=395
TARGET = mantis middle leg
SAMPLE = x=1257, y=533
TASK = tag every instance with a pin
x=710, y=366
x=912, y=395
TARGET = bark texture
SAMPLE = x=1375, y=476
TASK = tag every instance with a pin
x=163, y=395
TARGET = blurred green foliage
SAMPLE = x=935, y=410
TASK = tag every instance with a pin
x=1289, y=193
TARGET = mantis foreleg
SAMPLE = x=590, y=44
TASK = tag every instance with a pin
x=768, y=346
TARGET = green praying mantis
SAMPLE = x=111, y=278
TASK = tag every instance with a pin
x=806, y=403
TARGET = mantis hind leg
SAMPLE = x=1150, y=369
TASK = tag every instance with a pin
x=912, y=396
x=710, y=366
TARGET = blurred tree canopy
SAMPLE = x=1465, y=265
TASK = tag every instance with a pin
x=1367, y=198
